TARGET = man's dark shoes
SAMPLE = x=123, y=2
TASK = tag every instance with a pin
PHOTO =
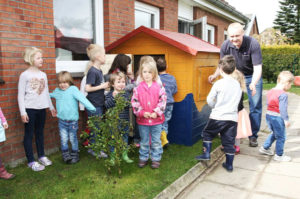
x=253, y=142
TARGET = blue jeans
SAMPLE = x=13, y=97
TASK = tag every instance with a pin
x=68, y=131
x=168, y=116
x=155, y=148
x=99, y=112
x=277, y=128
x=255, y=105
x=35, y=126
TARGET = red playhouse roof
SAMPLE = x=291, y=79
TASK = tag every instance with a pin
x=185, y=42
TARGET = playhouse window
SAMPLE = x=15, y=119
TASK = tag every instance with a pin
x=75, y=30
x=146, y=15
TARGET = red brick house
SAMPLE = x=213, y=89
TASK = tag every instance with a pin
x=63, y=29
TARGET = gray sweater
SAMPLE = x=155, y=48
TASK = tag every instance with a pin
x=224, y=98
x=33, y=92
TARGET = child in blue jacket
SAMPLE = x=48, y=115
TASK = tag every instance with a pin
x=67, y=97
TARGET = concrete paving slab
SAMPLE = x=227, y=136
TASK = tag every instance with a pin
x=212, y=190
x=255, y=163
x=239, y=178
x=265, y=196
x=283, y=186
x=284, y=168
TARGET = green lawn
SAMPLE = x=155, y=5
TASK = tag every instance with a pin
x=294, y=89
x=88, y=179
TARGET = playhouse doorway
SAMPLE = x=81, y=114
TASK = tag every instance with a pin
x=136, y=61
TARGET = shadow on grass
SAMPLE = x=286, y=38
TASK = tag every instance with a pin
x=88, y=178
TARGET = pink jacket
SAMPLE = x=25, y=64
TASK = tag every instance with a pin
x=149, y=99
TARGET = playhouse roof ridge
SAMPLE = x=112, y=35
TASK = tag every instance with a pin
x=184, y=42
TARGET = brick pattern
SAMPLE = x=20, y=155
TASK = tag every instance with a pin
x=219, y=23
x=119, y=17
x=24, y=23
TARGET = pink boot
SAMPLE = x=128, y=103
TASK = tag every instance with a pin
x=4, y=174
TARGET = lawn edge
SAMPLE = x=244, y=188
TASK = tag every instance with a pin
x=173, y=190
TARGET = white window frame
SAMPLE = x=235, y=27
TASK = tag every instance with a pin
x=212, y=33
x=225, y=34
x=80, y=66
x=149, y=9
x=203, y=21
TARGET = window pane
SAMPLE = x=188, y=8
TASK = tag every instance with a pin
x=143, y=19
x=74, y=28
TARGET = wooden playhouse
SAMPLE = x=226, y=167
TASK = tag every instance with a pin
x=191, y=60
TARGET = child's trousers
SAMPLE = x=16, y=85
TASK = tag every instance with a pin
x=226, y=128
x=155, y=149
x=34, y=126
x=68, y=131
x=277, y=127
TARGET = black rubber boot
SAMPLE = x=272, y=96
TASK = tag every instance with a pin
x=75, y=157
x=206, y=151
x=66, y=156
x=229, y=162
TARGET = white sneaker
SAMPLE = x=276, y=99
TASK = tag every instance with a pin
x=101, y=155
x=35, y=166
x=266, y=151
x=283, y=158
x=45, y=161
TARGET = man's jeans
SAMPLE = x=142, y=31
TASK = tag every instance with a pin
x=168, y=116
x=156, y=148
x=99, y=112
x=68, y=131
x=255, y=105
x=277, y=128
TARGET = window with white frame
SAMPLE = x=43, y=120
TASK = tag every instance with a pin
x=210, y=32
x=225, y=35
x=185, y=27
x=75, y=28
x=146, y=15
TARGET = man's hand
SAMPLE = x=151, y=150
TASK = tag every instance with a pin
x=252, y=88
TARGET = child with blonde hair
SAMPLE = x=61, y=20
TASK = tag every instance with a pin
x=95, y=85
x=3, y=125
x=244, y=125
x=277, y=117
x=148, y=103
x=33, y=99
x=67, y=97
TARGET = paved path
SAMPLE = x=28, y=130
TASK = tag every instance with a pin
x=256, y=176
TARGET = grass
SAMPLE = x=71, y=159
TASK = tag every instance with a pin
x=88, y=178
x=294, y=89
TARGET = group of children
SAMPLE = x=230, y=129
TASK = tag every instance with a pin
x=152, y=104
x=226, y=98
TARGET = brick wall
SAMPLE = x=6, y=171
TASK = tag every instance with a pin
x=119, y=17
x=30, y=23
x=24, y=23
x=218, y=22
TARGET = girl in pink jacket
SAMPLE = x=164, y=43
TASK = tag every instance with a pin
x=148, y=103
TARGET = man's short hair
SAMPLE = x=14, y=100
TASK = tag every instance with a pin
x=227, y=64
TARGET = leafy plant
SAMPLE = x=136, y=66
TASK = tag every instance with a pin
x=109, y=131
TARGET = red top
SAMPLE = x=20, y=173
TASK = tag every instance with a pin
x=273, y=99
x=185, y=42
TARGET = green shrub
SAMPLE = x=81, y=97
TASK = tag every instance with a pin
x=277, y=58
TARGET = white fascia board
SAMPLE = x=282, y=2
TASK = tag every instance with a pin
x=208, y=6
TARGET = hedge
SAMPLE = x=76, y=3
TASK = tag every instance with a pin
x=277, y=58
